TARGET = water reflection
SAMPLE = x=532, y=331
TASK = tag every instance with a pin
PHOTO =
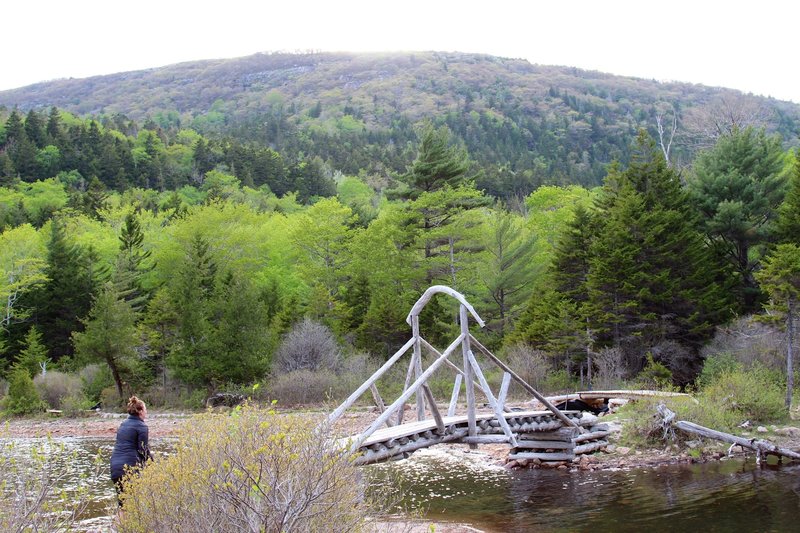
x=719, y=496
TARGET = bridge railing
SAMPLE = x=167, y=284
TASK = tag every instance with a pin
x=470, y=375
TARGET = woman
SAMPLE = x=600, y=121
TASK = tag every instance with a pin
x=131, y=449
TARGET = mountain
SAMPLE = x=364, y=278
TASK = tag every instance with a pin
x=523, y=124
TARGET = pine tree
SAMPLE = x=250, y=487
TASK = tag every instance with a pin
x=131, y=263
x=651, y=278
x=67, y=294
x=737, y=187
x=437, y=164
x=789, y=213
x=33, y=353
x=780, y=277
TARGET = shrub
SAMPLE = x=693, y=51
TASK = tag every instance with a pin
x=303, y=387
x=530, y=364
x=609, y=366
x=54, y=387
x=248, y=471
x=715, y=366
x=558, y=381
x=654, y=375
x=756, y=394
x=22, y=395
x=750, y=341
x=308, y=346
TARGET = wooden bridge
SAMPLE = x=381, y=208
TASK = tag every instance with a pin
x=549, y=434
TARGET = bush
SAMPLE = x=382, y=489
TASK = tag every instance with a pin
x=609, y=366
x=303, y=387
x=54, y=387
x=530, y=364
x=735, y=396
x=558, y=382
x=654, y=376
x=248, y=471
x=717, y=365
x=308, y=346
x=757, y=394
x=749, y=341
x=22, y=395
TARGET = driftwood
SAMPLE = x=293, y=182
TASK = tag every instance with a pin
x=760, y=446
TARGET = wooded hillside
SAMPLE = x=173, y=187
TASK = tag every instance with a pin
x=524, y=125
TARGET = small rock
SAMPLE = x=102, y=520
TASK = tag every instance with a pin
x=562, y=467
x=611, y=448
x=693, y=444
x=623, y=450
x=761, y=429
x=788, y=432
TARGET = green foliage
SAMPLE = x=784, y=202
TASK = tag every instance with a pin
x=225, y=472
x=737, y=187
x=715, y=366
x=654, y=375
x=756, y=394
x=33, y=353
x=22, y=398
x=110, y=337
x=789, y=212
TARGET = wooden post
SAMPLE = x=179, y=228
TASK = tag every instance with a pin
x=417, y=364
x=465, y=350
x=434, y=410
x=409, y=373
x=492, y=402
x=524, y=383
x=454, y=397
x=501, y=396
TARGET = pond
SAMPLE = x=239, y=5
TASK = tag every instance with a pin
x=732, y=495
x=449, y=484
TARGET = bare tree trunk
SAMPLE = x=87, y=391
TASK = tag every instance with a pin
x=665, y=137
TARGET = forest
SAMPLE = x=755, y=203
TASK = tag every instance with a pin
x=136, y=257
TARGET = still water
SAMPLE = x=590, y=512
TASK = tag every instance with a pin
x=450, y=485
x=720, y=496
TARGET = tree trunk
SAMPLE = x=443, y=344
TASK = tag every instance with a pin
x=116, y=376
x=790, y=354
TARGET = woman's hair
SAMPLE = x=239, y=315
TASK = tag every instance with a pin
x=135, y=406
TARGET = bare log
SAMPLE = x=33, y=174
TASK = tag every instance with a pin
x=760, y=446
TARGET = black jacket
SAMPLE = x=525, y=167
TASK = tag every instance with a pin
x=131, y=448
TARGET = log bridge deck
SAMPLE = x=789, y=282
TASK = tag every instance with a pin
x=546, y=435
x=533, y=430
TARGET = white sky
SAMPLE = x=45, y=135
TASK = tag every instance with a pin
x=747, y=45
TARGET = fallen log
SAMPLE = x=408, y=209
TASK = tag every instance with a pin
x=760, y=446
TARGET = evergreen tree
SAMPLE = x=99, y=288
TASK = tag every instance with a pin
x=651, y=278
x=780, y=277
x=130, y=263
x=22, y=398
x=737, y=187
x=110, y=337
x=508, y=272
x=34, y=129
x=67, y=294
x=437, y=164
x=789, y=213
x=33, y=353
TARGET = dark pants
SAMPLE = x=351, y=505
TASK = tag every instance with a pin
x=118, y=487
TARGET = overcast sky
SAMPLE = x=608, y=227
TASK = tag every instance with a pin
x=747, y=45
